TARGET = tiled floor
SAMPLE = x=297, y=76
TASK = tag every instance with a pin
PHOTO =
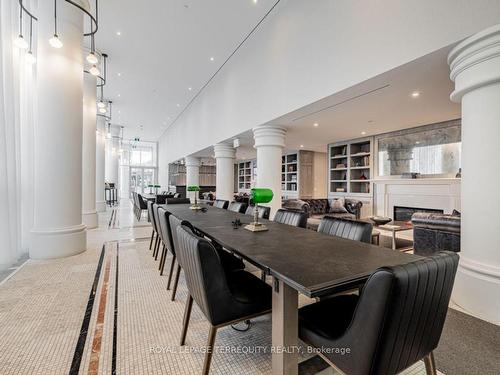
x=43, y=305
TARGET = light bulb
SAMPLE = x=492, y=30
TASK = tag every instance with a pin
x=101, y=104
x=92, y=58
x=20, y=42
x=102, y=110
x=30, y=58
x=94, y=71
x=55, y=41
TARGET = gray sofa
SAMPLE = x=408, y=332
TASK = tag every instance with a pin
x=319, y=208
x=435, y=232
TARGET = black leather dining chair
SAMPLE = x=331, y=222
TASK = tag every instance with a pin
x=219, y=203
x=396, y=320
x=153, y=224
x=164, y=224
x=177, y=201
x=142, y=206
x=290, y=217
x=224, y=297
x=228, y=260
x=239, y=207
x=159, y=243
x=264, y=211
x=346, y=228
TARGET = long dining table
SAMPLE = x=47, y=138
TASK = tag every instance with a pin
x=299, y=261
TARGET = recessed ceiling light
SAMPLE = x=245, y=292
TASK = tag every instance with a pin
x=315, y=124
x=178, y=105
x=212, y=59
x=118, y=33
x=119, y=74
x=415, y=94
x=189, y=88
x=119, y=95
x=363, y=133
x=255, y=1
x=301, y=146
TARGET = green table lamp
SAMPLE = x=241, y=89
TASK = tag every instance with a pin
x=196, y=189
x=259, y=195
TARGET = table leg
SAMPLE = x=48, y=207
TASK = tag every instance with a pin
x=284, y=329
x=393, y=240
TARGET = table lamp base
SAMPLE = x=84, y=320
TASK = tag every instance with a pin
x=256, y=227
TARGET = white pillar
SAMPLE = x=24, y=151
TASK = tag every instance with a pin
x=58, y=230
x=113, y=156
x=475, y=68
x=269, y=142
x=192, y=174
x=224, y=158
x=89, y=212
x=100, y=164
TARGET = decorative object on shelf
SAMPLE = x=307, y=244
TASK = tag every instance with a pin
x=259, y=196
x=459, y=173
x=362, y=177
x=340, y=166
x=340, y=190
x=196, y=189
x=411, y=175
x=380, y=220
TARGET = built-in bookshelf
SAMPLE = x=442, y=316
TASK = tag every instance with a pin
x=296, y=175
x=350, y=167
x=246, y=178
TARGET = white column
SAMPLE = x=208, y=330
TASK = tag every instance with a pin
x=100, y=164
x=475, y=68
x=224, y=158
x=269, y=142
x=192, y=174
x=112, y=156
x=58, y=229
x=89, y=212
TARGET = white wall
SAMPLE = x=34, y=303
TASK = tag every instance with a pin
x=320, y=173
x=307, y=50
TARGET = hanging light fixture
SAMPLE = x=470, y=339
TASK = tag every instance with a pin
x=101, y=104
x=94, y=71
x=20, y=42
x=55, y=41
x=30, y=58
x=91, y=57
x=102, y=110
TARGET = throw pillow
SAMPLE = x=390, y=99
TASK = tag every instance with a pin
x=337, y=206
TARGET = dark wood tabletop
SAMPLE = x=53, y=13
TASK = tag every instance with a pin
x=312, y=263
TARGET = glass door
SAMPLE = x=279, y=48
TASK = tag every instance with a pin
x=140, y=178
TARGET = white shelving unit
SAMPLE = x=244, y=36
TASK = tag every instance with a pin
x=351, y=168
x=246, y=175
x=290, y=176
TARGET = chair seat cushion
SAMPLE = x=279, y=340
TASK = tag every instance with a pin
x=329, y=318
x=249, y=289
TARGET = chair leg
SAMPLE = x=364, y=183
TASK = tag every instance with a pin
x=187, y=316
x=152, y=237
x=162, y=257
x=176, y=282
x=156, y=244
x=158, y=250
x=171, y=272
x=209, y=350
x=430, y=364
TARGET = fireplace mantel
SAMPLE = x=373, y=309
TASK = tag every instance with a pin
x=436, y=193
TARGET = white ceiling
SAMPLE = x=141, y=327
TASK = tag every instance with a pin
x=381, y=104
x=164, y=49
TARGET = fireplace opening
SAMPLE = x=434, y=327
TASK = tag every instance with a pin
x=405, y=213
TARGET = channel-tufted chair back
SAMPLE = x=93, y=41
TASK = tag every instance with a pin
x=220, y=203
x=239, y=207
x=293, y=218
x=164, y=225
x=345, y=228
x=263, y=211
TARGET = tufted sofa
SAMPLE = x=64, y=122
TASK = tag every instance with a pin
x=435, y=232
x=319, y=208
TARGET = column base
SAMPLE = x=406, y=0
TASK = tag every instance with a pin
x=476, y=290
x=90, y=219
x=59, y=242
x=100, y=206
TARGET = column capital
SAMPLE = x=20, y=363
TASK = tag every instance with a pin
x=475, y=62
x=269, y=135
x=224, y=150
x=192, y=161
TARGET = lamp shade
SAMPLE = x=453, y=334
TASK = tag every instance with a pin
x=193, y=188
x=260, y=195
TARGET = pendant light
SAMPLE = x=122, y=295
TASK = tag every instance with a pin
x=91, y=57
x=102, y=110
x=20, y=42
x=94, y=71
x=30, y=58
x=101, y=104
x=55, y=41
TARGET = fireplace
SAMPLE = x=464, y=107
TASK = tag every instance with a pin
x=405, y=213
